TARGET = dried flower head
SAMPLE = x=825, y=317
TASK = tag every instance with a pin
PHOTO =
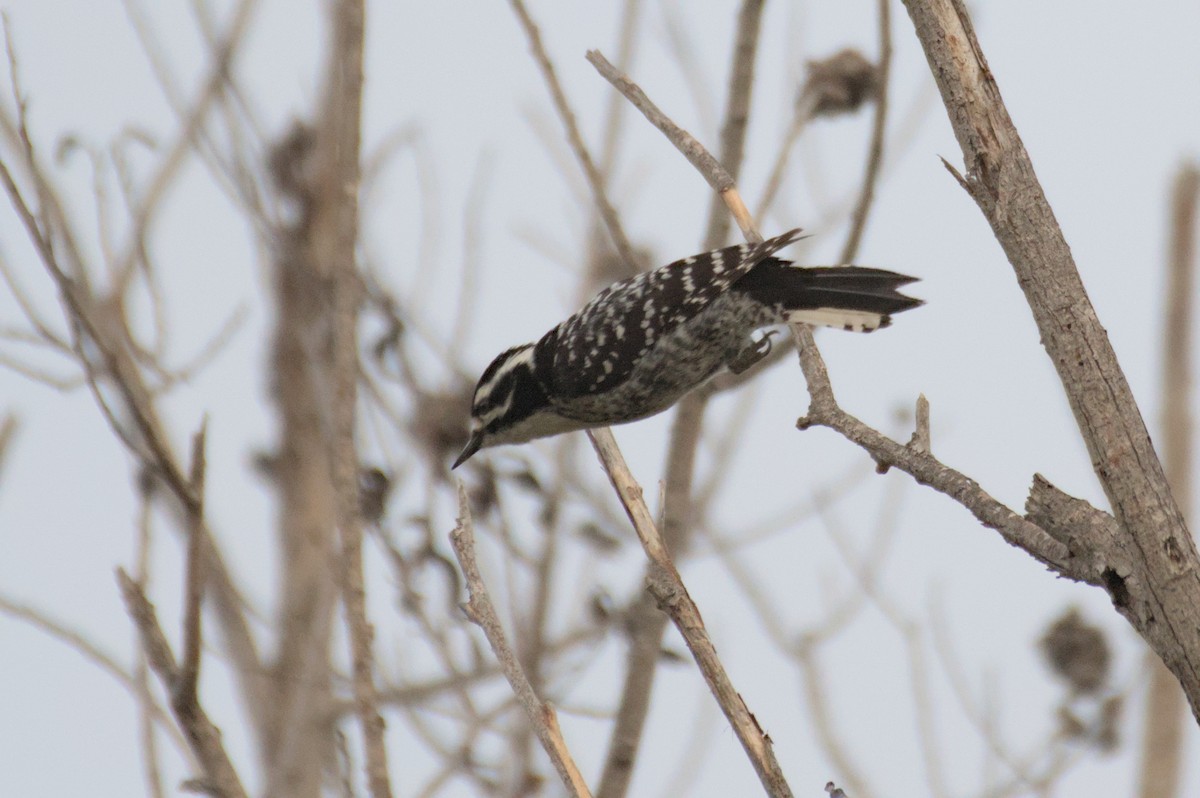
x=840, y=84
x=374, y=486
x=1078, y=652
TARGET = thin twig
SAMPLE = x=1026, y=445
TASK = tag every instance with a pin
x=668, y=589
x=802, y=114
x=203, y=737
x=115, y=363
x=708, y=166
x=575, y=138
x=692, y=60
x=480, y=610
x=91, y=652
x=189, y=672
x=866, y=195
x=151, y=763
x=171, y=165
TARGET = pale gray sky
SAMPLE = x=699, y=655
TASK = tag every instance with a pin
x=1105, y=98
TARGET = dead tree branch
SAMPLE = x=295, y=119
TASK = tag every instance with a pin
x=915, y=460
x=1158, y=588
x=336, y=240
x=672, y=596
x=866, y=195
x=709, y=167
x=203, y=736
x=594, y=178
x=189, y=673
x=1162, y=736
x=647, y=625
x=480, y=610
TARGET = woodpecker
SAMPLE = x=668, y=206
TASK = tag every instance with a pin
x=639, y=345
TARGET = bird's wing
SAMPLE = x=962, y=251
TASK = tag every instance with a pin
x=597, y=348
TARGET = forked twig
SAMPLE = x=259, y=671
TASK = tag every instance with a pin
x=203, y=736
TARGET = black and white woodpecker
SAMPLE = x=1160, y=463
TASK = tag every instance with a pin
x=639, y=345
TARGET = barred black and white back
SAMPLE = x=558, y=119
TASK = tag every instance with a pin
x=642, y=343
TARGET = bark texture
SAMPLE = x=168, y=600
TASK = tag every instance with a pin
x=1150, y=568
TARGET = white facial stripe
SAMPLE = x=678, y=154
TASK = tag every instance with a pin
x=522, y=357
x=496, y=412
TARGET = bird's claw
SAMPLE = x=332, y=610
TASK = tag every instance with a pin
x=752, y=354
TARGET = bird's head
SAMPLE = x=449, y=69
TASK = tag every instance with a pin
x=507, y=397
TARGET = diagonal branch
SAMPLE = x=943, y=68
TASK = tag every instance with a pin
x=646, y=624
x=1158, y=591
x=480, y=610
x=709, y=167
x=203, y=736
x=594, y=179
x=668, y=589
x=189, y=673
x=914, y=459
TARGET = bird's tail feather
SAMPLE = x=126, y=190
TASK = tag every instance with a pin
x=854, y=298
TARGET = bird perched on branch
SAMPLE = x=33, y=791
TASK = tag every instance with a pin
x=642, y=343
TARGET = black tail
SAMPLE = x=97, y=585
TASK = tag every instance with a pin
x=847, y=297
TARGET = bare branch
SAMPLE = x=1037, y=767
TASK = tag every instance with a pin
x=1162, y=736
x=99, y=346
x=920, y=441
x=648, y=626
x=171, y=166
x=594, y=179
x=337, y=238
x=204, y=738
x=824, y=411
x=708, y=166
x=668, y=589
x=194, y=579
x=480, y=610
x=1163, y=599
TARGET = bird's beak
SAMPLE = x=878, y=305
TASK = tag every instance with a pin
x=470, y=449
